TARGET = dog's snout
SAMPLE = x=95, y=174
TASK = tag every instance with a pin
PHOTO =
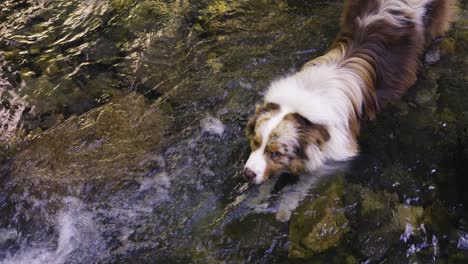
x=249, y=174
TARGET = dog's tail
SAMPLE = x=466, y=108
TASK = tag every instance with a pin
x=439, y=15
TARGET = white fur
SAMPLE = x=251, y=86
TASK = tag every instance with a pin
x=322, y=95
x=257, y=163
x=415, y=8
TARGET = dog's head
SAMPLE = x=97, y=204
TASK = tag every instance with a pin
x=282, y=141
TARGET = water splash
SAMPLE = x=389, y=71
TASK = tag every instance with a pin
x=408, y=232
x=212, y=125
x=75, y=228
x=463, y=241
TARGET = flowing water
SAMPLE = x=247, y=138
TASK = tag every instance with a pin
x=122, y=140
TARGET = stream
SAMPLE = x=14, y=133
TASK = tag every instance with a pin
x=122, y=140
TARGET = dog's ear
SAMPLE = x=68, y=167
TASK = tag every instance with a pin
x=268, y=107
x=250, y=128
x=259, y=110
x=311, y=132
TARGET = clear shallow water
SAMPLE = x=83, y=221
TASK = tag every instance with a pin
x=123, y=137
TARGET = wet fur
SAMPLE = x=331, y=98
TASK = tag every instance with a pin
x=314, y=115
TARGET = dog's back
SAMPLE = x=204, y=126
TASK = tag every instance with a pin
x=385, y=39
x=434, y=15
x=393, y=34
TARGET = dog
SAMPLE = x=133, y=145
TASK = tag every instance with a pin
x=314, y=115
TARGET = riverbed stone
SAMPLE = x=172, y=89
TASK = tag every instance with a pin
x=120, y=132
x=319, y=223
x=447, y=46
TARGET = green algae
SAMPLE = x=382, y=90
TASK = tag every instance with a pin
x=374, y=201
x=217, y=9
x=447, y=46
x=319, y=224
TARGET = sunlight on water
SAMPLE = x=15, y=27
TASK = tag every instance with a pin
x=122, y=140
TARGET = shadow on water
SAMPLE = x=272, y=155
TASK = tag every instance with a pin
x=122, y=140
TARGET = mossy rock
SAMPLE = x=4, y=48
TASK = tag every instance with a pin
x=149, y=15
x=405, y=214
x=10, y=55
x=372, y=201
x=109, y=141
x=447, y=46
x=382, y=221
x=217, y=9
x=211, y=16
x=438, y=218
x=121, y=4
x=384, y=207
x=320, y=223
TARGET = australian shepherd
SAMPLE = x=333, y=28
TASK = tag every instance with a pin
x=313, y=116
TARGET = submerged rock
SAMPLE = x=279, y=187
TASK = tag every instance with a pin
x=102, y=144
x=319, y=223
x=131, y=118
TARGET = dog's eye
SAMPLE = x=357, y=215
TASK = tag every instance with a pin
x=275, y=155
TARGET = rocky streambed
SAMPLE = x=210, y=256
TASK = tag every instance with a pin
x=122, y=140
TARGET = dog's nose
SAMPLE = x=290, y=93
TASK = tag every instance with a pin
x=249, y=174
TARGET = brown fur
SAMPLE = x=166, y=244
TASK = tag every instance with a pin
x=309, y=132
x=292, y=159
x=385, y=56
x=437, y=20
x=280, y=156
x=262, y=114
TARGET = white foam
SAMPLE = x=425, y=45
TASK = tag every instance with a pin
x=212, y=125
x=435, y=246
x=408, y=232
x=160, y=183
x=7, y=234
x=463, y=241
x=73, y=226
x=432, y=57
x=416, y=247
